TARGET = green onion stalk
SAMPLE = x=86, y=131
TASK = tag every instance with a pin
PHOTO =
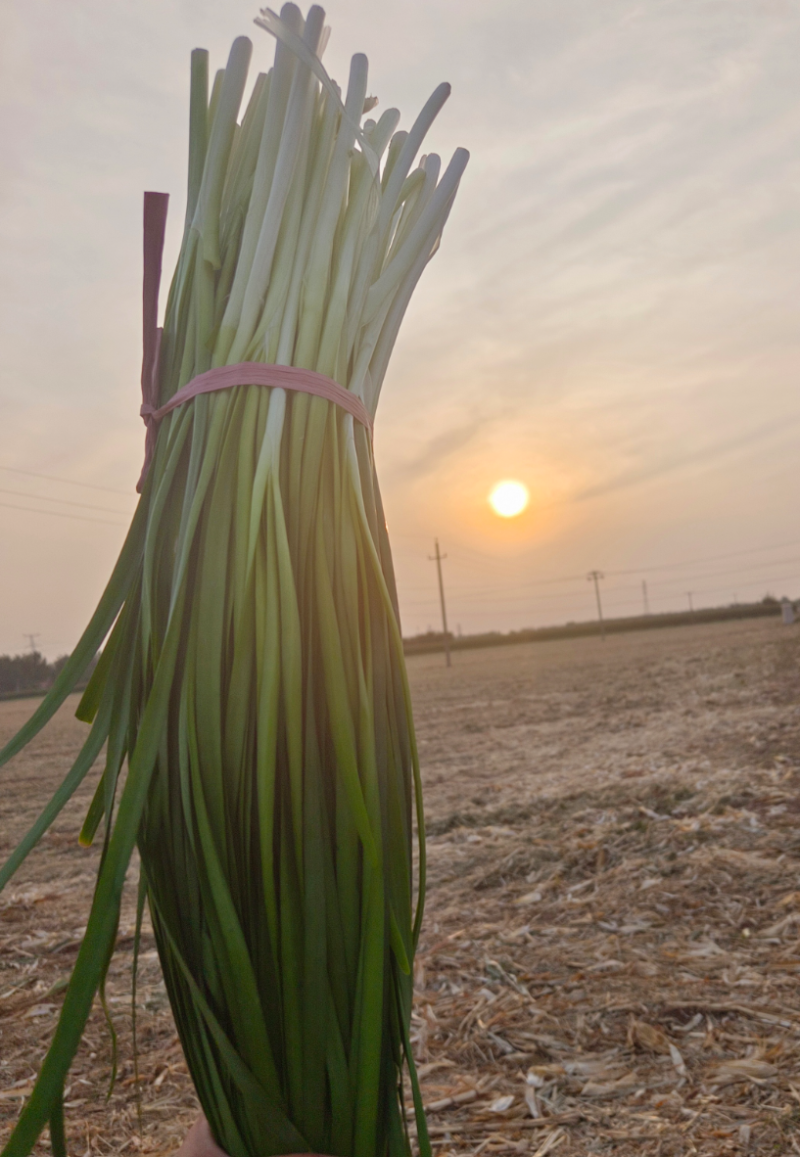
x=252, y=677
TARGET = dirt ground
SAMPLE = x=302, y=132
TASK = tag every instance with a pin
x=611, y=948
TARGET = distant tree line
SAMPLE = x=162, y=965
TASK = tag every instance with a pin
x=434, y=640
x=29, y=673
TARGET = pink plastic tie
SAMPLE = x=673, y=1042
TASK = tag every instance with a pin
x=223, y=377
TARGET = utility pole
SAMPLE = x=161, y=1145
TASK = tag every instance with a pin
x=691, y=606
x=437, y=558
x=32, y=641
x=644, y=593
x=595, y=576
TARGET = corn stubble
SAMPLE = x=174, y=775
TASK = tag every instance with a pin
x=253, y=677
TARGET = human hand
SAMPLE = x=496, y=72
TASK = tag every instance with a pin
x=199, y=1142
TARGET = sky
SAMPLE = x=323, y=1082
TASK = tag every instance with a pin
x=612, y=318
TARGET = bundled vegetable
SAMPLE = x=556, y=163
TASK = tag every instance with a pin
x=253, y=677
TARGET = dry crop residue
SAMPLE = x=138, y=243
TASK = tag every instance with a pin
x=611, y=949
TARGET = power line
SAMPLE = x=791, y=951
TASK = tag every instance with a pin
x=741, y=586
x=62, y=501
x=633, y=571
x=524, y=586
x=568, y=597
x=775, y=562
x=61, y=514
x=68, y=481
x=567, y=600
x=616, y=604
x=713, y=558
x=564, y=578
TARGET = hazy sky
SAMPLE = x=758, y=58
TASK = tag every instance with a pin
x=612, y=318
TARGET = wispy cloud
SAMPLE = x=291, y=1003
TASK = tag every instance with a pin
x=707, y=455
x=436, y=451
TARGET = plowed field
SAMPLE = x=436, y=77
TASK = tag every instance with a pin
x=611, y=949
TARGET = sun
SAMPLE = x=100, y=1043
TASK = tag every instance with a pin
x=508, y=499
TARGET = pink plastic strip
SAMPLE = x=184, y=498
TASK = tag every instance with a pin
x=223, y=377
x=262, y=374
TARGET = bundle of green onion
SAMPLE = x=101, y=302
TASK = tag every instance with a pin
x=253, y=677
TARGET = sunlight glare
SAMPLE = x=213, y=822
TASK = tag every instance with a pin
x=508, y=499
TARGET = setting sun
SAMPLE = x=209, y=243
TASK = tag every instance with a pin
x=508, y=499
